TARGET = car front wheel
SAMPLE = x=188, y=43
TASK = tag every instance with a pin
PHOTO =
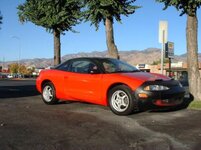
x=49, y=94
x=121, y=101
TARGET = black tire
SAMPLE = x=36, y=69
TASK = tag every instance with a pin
x=121, y=100
x=49, y=94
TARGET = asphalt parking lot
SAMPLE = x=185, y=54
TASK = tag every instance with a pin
x=26, y=123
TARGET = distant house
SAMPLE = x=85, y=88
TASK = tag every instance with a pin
x=4, y=70
x=31, y=67
x=143, y=67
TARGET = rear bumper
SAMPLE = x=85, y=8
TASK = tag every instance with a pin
x=38, y=84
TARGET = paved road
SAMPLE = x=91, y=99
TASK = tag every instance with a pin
x=17, y=88
x=26, y=123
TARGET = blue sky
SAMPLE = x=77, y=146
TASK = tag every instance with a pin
x=137, y=32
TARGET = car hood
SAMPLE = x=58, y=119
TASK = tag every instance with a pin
x=144, y=76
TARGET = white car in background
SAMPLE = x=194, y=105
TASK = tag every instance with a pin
x=9, y=76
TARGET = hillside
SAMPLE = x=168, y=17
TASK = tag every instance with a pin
x=147, y=56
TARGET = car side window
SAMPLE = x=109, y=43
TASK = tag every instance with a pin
x=108, y=67
x=63, y=66
x=83, y=66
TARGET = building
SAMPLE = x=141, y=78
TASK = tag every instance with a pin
x=177, y=70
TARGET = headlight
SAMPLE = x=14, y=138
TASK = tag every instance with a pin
x=156, y=88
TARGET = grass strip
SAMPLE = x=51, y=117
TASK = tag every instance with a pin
x=195, y=105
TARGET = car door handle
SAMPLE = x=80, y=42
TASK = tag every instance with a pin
x=65, y=77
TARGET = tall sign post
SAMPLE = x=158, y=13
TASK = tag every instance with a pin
x=163, y=36
x=169, y=53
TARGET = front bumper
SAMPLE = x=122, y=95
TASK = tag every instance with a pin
x=154, y=99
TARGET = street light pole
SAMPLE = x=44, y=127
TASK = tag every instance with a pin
x=16, y=37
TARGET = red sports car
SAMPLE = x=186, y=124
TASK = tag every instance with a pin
x=109, y=82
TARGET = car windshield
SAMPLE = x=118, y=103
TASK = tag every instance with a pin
x=117, y=66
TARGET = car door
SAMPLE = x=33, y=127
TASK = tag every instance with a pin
x=82, y=83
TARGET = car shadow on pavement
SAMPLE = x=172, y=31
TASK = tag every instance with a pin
x=17, y=91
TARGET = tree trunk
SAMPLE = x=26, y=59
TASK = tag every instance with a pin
x=112, y=48
x=192, y=58
x=57, y=48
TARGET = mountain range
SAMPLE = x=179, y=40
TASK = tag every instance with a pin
x=147, y=56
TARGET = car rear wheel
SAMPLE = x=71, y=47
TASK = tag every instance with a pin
x=49, y=94
x=121, y=101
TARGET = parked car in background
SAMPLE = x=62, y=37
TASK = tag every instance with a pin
x=9, y=76
x=109, y=82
